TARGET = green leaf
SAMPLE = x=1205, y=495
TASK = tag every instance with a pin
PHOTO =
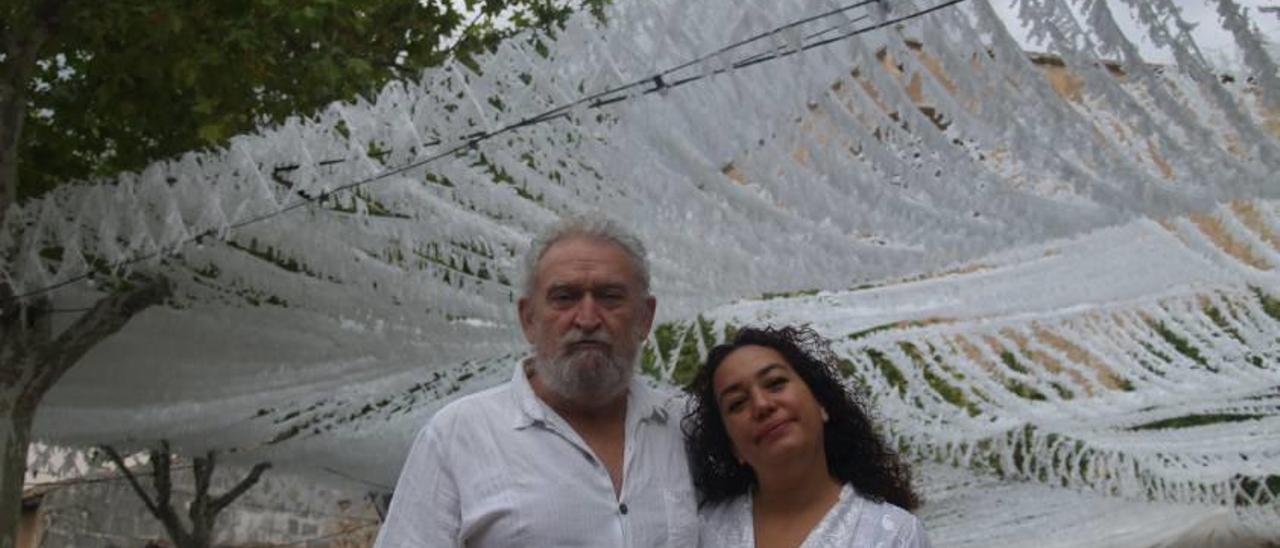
x=358, y=66
x=212, y=132
x=206, y=105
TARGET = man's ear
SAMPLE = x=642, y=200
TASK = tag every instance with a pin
x=525, y=309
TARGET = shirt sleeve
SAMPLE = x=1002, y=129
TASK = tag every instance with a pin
x=425, y=509
x=912, y=536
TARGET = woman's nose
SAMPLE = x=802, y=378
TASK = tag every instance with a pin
x=761, y=404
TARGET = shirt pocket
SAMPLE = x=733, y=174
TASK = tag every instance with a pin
x=682, y=517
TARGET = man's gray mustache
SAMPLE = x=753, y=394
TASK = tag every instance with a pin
x=575, y=337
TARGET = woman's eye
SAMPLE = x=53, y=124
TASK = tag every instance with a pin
x=734, y=406
x=776, y=384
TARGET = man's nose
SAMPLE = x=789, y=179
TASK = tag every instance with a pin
x=587, y=315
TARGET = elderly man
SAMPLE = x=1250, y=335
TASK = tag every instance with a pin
x=573, y=451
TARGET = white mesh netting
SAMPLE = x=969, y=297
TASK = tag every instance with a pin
x=1102, y=236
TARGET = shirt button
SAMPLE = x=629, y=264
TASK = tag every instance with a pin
x=623, y=508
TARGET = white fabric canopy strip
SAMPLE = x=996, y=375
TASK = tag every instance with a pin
x=1105, y=234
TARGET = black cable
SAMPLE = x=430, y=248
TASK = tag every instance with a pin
x=773, y=53
x=838, y=38
x=658, y=81
x=597, y=100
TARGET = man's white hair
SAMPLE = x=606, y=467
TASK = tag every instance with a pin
x=592, y=225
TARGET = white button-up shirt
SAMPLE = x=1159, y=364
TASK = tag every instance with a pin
x=500, y=468
x=853, y=522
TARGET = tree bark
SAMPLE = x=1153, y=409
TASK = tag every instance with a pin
x=15, y=435
x=19, y=328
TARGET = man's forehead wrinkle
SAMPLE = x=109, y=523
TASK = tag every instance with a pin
x=600, y=257
x=586, y=274
x=592, y=285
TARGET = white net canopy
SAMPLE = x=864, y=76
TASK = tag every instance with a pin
x=1057, y=270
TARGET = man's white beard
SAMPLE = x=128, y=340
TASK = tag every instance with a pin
x=587, y=376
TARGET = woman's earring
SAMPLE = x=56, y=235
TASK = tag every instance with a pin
x=825, y=416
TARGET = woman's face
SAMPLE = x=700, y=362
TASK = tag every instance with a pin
x=768, y=410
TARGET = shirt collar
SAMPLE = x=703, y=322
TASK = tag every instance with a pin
x=530, y=409
x=644, y=404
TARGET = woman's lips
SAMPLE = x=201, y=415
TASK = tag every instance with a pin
x=771, y=431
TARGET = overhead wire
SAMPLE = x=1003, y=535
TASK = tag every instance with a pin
x=655, y=83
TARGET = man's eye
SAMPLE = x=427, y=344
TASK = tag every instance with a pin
x=612, y=296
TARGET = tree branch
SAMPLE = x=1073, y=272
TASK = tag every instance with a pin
x=249, y=481
x=133, y=481
x=161, y=464
x=160, y=474
x=108, y=316
x=202, y=472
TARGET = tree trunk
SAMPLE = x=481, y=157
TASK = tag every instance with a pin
x=32, y=361
x=15, y=436
x=20, y=48
x=19, y=328
x=12, y=114
x=22, y=40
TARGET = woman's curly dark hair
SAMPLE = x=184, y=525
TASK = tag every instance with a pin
x=856, y=454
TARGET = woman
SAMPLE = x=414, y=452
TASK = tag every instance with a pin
x=783, y=455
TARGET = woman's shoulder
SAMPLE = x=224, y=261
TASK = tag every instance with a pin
x=725, y=523
x=890, y=523
x=889, y=517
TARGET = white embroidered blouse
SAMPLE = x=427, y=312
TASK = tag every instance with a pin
x=853, y=522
